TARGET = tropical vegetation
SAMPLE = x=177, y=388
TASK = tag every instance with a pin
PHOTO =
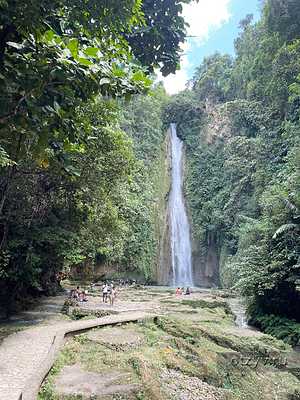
x=82, y=148
x=239, y=119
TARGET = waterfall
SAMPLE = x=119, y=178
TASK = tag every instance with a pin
x=180, y=229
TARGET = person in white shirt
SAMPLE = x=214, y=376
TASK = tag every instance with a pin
x=104, y=293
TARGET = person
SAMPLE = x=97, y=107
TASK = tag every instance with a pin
x=82, y=296
x=188, y=291
x=112, y=295
x=76, y=293
x=178, y=291
x=104, y=293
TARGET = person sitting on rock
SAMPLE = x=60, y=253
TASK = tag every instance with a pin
x=82, y=296
x=188, y=291
x=75, y=293
x=178, y=292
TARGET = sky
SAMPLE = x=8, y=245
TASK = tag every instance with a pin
x=215, y=23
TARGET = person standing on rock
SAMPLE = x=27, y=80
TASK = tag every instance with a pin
x=104, y=293
x=112, y=295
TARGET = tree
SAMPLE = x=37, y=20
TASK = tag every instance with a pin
x=61, y=64
x=212, y=80
x=54, y=218
x=282, y=16
x=157, y=43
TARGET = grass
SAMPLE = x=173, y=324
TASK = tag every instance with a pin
x=79, y=313
x=208, y=304
x=66, y=357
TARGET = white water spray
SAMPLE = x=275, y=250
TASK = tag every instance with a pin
x=180, y=229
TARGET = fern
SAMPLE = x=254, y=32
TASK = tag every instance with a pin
x=291, y=206
x=286, y=228
x=282, y=328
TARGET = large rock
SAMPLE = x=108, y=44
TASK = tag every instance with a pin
x=73, y=380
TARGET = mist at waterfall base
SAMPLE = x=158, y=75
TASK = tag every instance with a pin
x=181, y=253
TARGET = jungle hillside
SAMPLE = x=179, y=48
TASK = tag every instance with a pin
x=84, y=172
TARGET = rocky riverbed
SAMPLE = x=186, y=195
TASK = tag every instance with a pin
x=192, y=350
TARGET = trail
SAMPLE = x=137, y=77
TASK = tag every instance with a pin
x=27, y=356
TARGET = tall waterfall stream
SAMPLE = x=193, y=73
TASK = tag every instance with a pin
x=180, y=229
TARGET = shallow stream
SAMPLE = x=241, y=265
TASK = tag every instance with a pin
x=238, y=308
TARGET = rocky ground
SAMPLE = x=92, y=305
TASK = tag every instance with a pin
x=180, y=386
x=191, y=350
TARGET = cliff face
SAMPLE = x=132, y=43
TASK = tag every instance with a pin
x=216, y=125
x=164, y=267
x=163, y=270
x=205, y=264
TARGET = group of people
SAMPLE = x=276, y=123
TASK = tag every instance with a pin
x=109, y=293
x=79, y=295
x=180, y=291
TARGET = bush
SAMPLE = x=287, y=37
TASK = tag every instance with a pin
x=282, y=328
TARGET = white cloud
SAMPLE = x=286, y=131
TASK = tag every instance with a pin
x=203, y=17
x=174, y=83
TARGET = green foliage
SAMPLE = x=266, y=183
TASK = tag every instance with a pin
x=212, y=78
x=52, y=61
x=61, y=217
x=157, y=42
x=282, y=16
x=183, y=109
x=74, y=186
x=97, y=201
x=243, y=162
x=282, y=328
x=143, y=123
x=4, y=159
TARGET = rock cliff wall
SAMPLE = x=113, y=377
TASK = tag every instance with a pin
x=163, y=266
x=205, y=264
